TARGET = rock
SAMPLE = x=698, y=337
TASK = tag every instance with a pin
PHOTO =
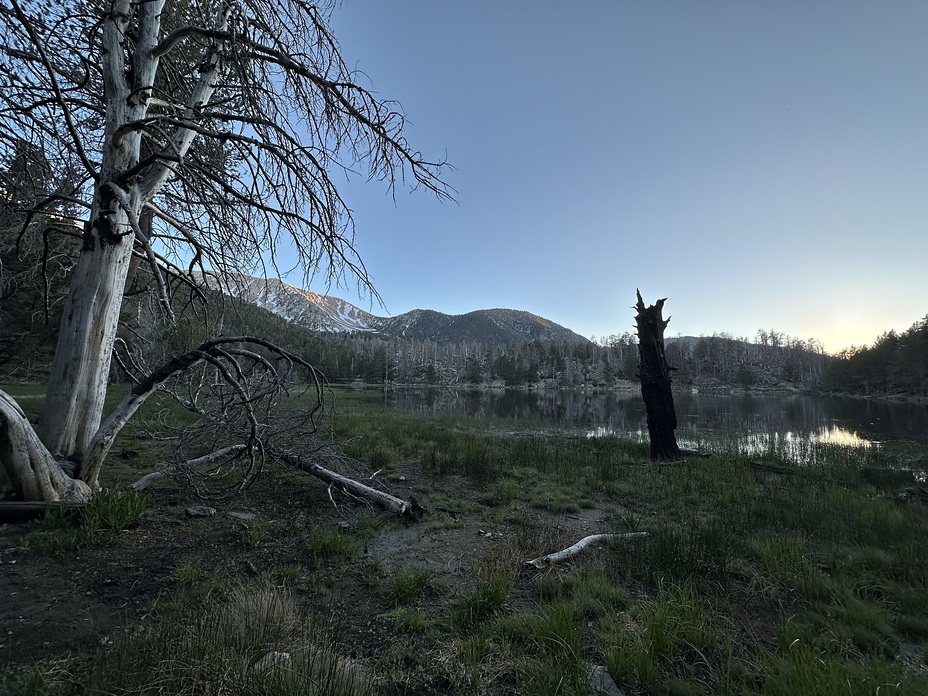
x=602, y=684
x=200, y=511
x=273, y=660
x=243, y=516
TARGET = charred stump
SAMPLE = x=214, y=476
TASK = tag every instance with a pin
x=654, y=373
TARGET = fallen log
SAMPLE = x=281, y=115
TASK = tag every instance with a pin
x=409, y=509
x=23, y=511
x=571, y=551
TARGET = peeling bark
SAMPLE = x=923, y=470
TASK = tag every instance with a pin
x=77, y=384
x=78, y=380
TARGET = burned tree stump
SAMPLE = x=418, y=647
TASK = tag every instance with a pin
x=654, y=373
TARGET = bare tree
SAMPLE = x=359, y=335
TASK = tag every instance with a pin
x=207, y=135
x=654, y=373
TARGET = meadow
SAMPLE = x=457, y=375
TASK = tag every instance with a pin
x=757, y=576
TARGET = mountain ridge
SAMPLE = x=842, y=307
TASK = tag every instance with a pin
x=328, y=314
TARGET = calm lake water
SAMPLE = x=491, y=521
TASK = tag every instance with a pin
x=757, y=419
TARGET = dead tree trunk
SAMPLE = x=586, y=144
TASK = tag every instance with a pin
x=654, y=373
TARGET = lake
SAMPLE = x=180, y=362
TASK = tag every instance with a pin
x=755, y=421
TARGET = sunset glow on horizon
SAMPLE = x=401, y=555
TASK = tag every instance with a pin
x=760, y=165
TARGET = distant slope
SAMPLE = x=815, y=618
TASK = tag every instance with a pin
x=331, y=314
x=485, y=326
x=301, y=307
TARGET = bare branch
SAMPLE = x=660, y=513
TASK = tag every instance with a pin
x=228, y=365
x=178, y=35
x=410, y=509
x=52, y=74
x=190, y=464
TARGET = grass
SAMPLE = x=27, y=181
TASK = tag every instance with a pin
x=256, y=640
x=409, y=618
x=110, y=511
x=670, y=641
x=491, y=586
x=407, y=586
x=251, y=537
x=828, y=559
x=330, y=543
x=794, y=579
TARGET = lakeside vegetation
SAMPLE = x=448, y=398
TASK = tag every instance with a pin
x=758, y=577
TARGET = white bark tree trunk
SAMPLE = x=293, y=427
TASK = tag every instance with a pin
x=78, y=380
x=275, y=85
x=77, y=385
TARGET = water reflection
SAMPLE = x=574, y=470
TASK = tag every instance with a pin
x=836, y=435
x=763, y=421
x=786, y=445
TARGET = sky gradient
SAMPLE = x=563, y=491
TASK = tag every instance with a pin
x=760, y=164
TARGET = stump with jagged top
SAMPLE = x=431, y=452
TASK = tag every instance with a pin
x=654, y=373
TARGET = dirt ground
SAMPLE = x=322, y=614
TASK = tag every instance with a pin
x=55, y=604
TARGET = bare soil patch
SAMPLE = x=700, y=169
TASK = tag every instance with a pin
x=73, y=603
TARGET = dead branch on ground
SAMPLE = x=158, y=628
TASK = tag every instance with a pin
x=571, y=551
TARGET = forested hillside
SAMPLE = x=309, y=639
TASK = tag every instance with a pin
x=895, y=365
x=774, y=360
x=37, y=253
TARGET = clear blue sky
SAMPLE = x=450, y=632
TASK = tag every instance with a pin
x=761, y=164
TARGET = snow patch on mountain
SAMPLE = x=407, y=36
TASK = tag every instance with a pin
x=331, y=314
x=299, y=306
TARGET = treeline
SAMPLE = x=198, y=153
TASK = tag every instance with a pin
x=773, y=360
x=895, y=365
x=707, y=362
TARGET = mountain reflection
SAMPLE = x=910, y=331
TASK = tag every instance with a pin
x=759, y=421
